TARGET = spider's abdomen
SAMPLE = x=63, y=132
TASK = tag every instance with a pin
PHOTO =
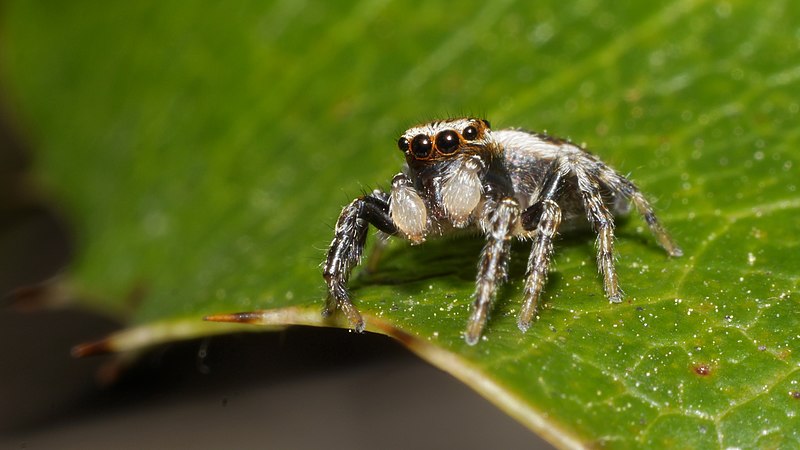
x=529, y=157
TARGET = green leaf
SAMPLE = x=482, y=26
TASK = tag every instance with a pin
x=204, y=153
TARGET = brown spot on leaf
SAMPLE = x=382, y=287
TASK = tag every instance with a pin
x=795, y=394
x=702, y=369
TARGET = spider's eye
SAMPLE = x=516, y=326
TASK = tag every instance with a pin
x=470, y=133
x=447, y=142
x=402, y=144
x=421, y=146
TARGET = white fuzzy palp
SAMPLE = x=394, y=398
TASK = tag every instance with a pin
x=408, y=212
x=461, y=192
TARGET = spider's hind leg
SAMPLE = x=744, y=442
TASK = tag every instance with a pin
x=629, y=190
x=658, y=230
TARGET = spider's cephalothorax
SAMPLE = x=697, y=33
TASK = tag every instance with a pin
x=507, y=183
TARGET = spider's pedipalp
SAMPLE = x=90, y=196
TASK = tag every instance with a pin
x=461, y=191
x=407, y=209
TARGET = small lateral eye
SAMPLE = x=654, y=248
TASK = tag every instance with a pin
x=447, y=142
x=421, y=146
x=470, y=133
x=402, y=144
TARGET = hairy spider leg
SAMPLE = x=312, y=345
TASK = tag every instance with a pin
x=602, y=221
x=632, y=192
x=545, y=217
x=347, y=248
x=658, y=230
x=500, y=219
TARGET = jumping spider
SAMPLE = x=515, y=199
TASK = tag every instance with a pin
x=506, y=183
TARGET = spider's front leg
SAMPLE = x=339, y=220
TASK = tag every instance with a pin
x=498, y=221
x=347, y=248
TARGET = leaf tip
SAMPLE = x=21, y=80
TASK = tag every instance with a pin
x=91, y=348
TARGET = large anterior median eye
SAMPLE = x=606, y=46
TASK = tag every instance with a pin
x=421, y=146
x=447, y=142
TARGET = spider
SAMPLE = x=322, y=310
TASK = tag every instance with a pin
x=509, y=183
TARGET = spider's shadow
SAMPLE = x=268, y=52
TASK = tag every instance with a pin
x=451, y=261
